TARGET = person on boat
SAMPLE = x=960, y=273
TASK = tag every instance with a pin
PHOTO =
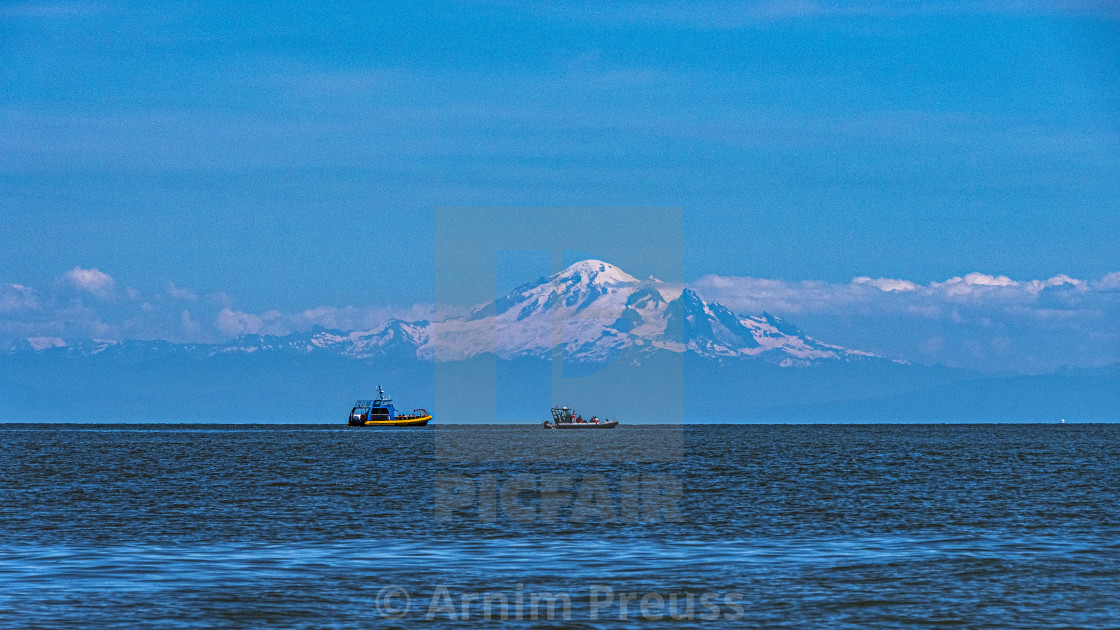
x=594, y=419
x=579, y=419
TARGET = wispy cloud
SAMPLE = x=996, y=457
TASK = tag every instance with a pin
x=1110, y=282
x=753, y=294
x=92, y=281
x=977, y=320
x=231, y=322
x=91, y=304
x=733, y=14
x=16, y=298
x=179, y=293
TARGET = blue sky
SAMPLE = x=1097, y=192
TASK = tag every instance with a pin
x=282, y=157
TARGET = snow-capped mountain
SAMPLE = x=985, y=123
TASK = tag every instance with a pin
x=626, y=334
x=591, y=312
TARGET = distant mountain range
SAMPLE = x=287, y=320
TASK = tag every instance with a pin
x=589, y=335
x=590, y=312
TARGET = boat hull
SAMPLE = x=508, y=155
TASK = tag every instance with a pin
x=399, y=422
x=580, y=425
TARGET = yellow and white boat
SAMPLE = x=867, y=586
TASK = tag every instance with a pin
x=380, y=412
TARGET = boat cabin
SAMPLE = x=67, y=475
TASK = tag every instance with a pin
x=562, y=415
x=380, y=409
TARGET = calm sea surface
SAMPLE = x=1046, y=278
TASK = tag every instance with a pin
x=176, y=526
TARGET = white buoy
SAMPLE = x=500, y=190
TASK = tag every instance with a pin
x=1063, y=420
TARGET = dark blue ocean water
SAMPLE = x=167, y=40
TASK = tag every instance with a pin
x=159, y=526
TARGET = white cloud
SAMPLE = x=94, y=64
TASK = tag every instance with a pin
x=231, y=322
x=984, y=279
x=40, y=343
x=887, y=284
x=355, y=318
x=16, y=298
x=1110, y=282
x=179, y=293
x=176, y=314
x=971, y=284
x=91, y=280
x=1062, y=278
x=187, y=323
x=234, y=323
x=976, y=320
x=746, y=294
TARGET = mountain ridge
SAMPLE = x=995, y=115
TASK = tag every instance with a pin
x=590, y=336
x=590, y=312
